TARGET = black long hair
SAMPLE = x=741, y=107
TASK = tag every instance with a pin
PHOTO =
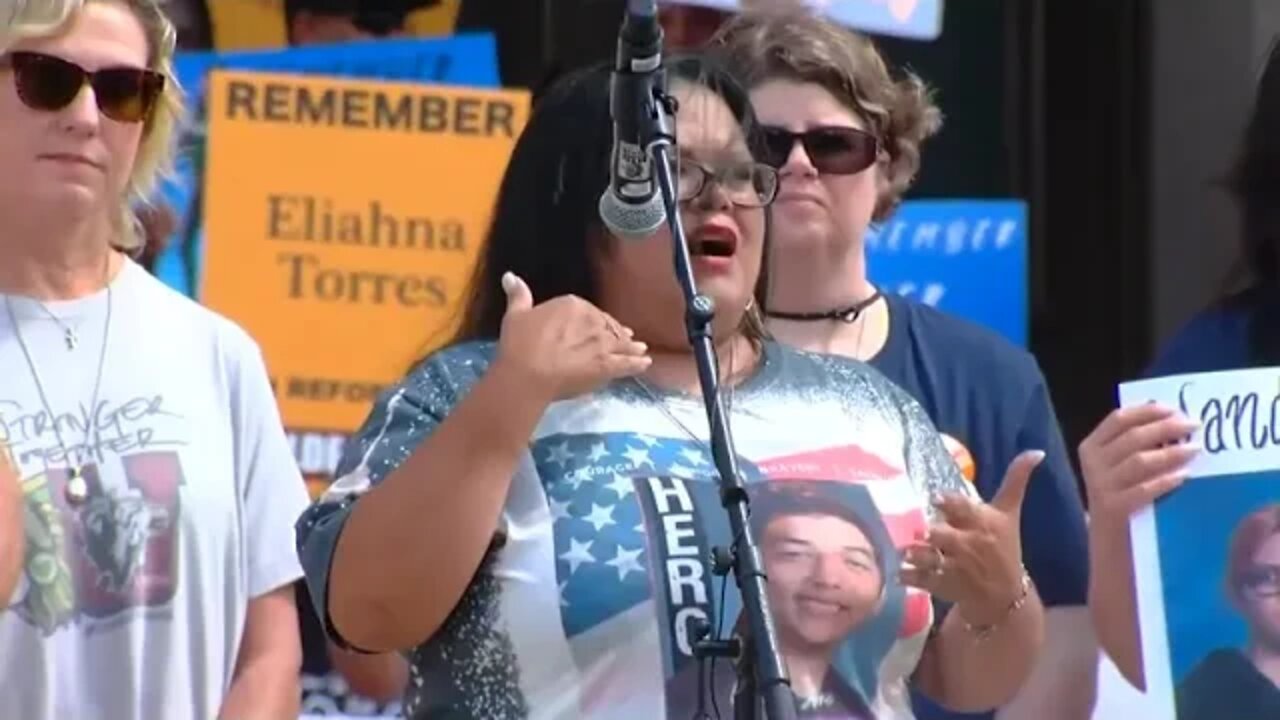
x=1254, y=183
x=545, y=225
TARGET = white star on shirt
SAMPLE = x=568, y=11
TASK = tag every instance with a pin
x=682, y=471
x=597, y=452
x=638, y=456
x=695, y=457
x=621, y=485
x=600, y=516
x=560, y=454
x=626, y=561
x=563, y=602
x=578, y=553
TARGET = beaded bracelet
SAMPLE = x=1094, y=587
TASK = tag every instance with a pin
x=982, y=632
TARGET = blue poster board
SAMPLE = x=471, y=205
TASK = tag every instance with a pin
x=968, y=257
x=468, y=59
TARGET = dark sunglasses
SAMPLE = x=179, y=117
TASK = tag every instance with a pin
x=48, y=83
x=832, y=150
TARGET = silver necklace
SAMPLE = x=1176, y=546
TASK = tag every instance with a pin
x=69, y=336
x=77, y=488
x=661, y=403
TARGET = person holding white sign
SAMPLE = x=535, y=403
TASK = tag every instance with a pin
x=1139, y=454
x=846, y=138
x=158, y=487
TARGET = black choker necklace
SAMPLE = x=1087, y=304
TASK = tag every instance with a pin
x=849, y=314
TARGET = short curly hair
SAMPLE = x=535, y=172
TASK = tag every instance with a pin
x=798, y=45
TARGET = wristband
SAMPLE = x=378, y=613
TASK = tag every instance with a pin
x=982, y=632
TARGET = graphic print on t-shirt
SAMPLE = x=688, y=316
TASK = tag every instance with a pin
x=635, y=520
x=118, y=549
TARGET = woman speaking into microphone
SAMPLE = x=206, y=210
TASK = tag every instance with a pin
x=528, y=515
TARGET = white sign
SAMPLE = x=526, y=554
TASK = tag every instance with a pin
x=1207, y=555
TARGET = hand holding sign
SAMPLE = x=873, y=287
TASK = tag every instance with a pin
x=566, y=345
x=1134, y=456
x=974, y=558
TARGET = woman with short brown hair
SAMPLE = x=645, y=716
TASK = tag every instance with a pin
x=845, y=133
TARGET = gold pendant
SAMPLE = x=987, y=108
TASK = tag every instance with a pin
x=77, y=489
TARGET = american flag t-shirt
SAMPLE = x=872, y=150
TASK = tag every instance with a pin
x=590, y=607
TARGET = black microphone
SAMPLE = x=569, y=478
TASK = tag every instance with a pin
x=632, y=206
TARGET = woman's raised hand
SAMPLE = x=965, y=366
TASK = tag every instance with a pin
x=566, y=346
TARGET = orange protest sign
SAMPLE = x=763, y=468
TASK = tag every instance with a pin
x=342, y=222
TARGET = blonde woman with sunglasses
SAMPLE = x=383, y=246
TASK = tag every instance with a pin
x=159, y=491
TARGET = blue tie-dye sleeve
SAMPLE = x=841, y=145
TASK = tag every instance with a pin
x=402, y=418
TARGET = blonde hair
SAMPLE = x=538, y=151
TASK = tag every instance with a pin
x=798, y=45
x=24, y=19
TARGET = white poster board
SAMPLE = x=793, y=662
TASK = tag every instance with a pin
x=1207, y=582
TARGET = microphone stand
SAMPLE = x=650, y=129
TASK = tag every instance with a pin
x=762, y=675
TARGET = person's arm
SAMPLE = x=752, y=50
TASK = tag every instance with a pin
x=426, y=481
x=1065, y=677
x=984, y=650
x=380, y=677
x=12, y=527
x=1132, y=457
x=965, y=673
x=1055, y=551
x=429, y=520
x=1112, y=600
x=266, y=679
x=981, y=576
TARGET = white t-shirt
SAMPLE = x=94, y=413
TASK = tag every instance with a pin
x=587, y=607
x=133, y=602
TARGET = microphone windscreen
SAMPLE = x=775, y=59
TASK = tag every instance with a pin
x=632, y=221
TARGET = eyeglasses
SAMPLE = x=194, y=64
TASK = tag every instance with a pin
x=745, y=184
x=48, y=83
x=1262, y=580
x=832, y=150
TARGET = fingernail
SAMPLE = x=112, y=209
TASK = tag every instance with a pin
x=508, y=281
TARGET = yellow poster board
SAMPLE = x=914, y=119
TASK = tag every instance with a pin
x=255, y=24
x=342, y=219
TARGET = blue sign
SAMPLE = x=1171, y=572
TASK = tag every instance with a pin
x=968, y=257
x=916, y=19
x=467, y=59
